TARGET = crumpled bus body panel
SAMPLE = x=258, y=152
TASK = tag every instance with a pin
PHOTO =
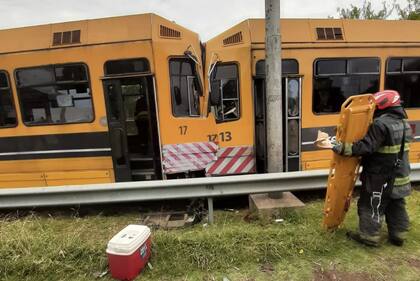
x=355, y=117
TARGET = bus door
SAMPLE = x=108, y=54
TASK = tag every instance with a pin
x=291, y=102
x=292, y=122
x=133, y=132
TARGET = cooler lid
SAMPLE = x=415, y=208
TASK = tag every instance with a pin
x=128, y=240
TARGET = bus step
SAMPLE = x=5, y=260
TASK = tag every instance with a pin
x=140, y=157
x=141, y=165
x=143, y=174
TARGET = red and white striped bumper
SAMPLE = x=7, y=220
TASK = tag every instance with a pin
x=233, y=160
x=181, y=158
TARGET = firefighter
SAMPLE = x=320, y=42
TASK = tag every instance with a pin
x=385, y=175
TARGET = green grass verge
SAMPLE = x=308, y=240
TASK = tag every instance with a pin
x=72, y=248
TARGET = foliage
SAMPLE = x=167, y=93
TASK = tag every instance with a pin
x=366, y=11
x=411, y=11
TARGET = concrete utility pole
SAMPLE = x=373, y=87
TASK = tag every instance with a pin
x=268, y=203
x=274, y=118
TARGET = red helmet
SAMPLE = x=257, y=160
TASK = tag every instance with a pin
x=387, y=99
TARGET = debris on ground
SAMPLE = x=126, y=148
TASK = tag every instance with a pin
x=100, y=274
x=167, y=220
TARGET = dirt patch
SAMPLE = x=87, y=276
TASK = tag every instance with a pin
x=414, y=263
x=393, y=263
x=267, y=268
x=334, y=275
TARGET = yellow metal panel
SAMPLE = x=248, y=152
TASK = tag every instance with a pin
x=117, y=29
x=381, y=30
x=21, y=176
x=292, y=30
x=78, y=181
x=77, y=177
x=30, y=38
x=50, y=165
x=95, y=31
x=304, y=30
x=10, y=180
x=20, y=183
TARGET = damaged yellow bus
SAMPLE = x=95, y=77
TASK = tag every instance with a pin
x=103, y=100
x=323, y=63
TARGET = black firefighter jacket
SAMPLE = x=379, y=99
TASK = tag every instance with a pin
x=380, y=149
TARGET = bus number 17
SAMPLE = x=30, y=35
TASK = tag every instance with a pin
x=183, y=130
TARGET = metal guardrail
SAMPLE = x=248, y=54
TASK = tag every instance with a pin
x=161, y=189
x=168, y=189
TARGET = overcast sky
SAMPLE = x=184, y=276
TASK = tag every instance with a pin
x=206, y=17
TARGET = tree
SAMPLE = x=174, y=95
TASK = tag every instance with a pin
x=367, y=12
x=411, y=12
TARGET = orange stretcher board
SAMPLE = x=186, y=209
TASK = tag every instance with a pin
x=355, y=117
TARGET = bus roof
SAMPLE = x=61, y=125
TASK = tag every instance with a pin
x=324, y=31
x=89, y=32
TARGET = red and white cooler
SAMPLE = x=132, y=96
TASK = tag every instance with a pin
x=129, y=251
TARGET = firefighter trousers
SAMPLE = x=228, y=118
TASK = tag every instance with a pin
x=372, y=207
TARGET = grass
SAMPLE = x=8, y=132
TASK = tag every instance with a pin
x=43, y=247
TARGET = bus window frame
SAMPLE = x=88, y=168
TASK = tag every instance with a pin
x=259, y=75
x=12, y=99
x=127, y=73
x=238, y=83
x=402, y=72
x=194, y=70
x=340, y=75
x=56, y=65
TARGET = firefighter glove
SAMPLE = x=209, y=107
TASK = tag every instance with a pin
x=342, y=148
x=338, y=147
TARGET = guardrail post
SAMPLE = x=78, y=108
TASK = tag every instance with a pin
x=210, y=209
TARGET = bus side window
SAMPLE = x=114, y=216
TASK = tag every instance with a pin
x=7, y=108
x=403, y=75
x=337, y=79
x=228, y=106
x=185, y=94
x=55, y=94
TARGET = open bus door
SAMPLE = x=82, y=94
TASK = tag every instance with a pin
x=292, y=122
x=133, y=132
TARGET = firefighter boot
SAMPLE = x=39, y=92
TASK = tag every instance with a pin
x=368, y=240
x=397, y=239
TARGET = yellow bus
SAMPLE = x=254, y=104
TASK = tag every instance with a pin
x=323, y=62
x=103, y=100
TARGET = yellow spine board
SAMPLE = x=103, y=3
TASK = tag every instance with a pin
x=355, y=117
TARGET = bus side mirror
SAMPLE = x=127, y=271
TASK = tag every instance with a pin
x=215, y=93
